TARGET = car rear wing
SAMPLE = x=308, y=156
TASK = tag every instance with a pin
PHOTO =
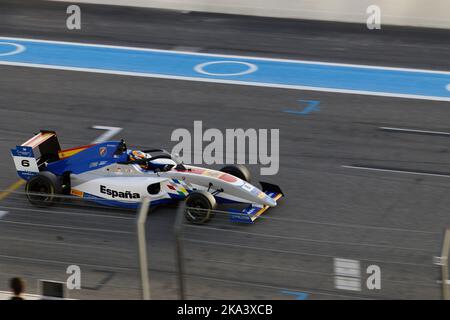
x=31, y=155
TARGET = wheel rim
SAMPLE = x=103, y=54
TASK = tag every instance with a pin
x=39, y=192
x=197, y=209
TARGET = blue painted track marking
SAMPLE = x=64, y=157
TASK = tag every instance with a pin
x=248, y=68
x=312, y=105
x=299, y=295
x=10, y=49
x=291, y=74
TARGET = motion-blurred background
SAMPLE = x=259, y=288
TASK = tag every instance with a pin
x=336, y=221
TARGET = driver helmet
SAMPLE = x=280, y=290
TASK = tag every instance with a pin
x=139, y=155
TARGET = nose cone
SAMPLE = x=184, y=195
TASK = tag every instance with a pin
x=268, y=201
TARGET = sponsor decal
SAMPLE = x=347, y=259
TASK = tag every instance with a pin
x=119, y=194
x=179, y=187
x=228, y=178
x=215, y=174
x=212, y=174
x=72, y=151
x=102, y=151
x=262, y=195
x=22, y=152
x=77, y=193
x=97, y=164
x=93, y=164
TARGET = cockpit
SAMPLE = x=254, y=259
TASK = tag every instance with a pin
x=157, y=160
x=159, y=163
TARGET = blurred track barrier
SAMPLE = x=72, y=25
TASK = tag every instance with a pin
x=275, y=258
x=419, y=13
x=443, y=261
x=142, y=247
x=6, y=295
x=41, y=243
x=312, y=259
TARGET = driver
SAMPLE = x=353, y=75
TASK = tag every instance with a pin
x=157, y=164
x=136, y=155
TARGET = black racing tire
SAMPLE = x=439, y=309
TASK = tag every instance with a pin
x=42, y=190
x=199, y=207
x=238, y=171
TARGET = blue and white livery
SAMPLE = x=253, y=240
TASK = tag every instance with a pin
x=111, y=174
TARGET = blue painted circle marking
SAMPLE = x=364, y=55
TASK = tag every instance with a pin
x=448, y=87
x=17, y=48
x=200, y=68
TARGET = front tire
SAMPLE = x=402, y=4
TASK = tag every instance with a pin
x=238, y=171
x=199, y=207
x=42, y=189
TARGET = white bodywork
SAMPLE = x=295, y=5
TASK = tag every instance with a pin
x=129, y=183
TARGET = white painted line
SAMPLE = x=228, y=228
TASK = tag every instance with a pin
x=186, y=49
x=3, y=213
x=346, y=267
x=236, y=82
x=110, y=132
x=17, y=48
x=415, y=131
x=230, y=56
x=347, y=283
x=398, y=171
x=200, y=68
x=347, y=274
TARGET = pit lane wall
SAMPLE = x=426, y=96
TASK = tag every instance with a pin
x=418, y=13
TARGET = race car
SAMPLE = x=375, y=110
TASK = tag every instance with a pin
x=111, y=174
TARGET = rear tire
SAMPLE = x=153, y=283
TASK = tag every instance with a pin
x=199, y=206
x=238, y=171
x=42, y=190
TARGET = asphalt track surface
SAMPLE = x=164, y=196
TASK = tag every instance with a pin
x=393, y=220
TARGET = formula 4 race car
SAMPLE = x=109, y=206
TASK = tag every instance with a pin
x=111, y=174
